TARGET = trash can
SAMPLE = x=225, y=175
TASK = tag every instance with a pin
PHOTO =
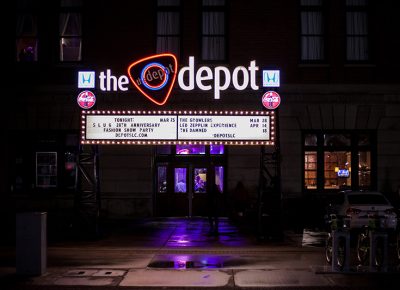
x=31, y=243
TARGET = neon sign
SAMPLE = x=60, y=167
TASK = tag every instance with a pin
x=155, y=76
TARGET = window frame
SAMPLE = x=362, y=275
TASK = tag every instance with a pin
x=358, y=8
x=77, y=9
x=169, y=8
x=215, y=8
x=324, y=15
x=354, y=149
x=27, y=10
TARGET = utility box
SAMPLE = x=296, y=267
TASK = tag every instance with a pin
x=31, y=243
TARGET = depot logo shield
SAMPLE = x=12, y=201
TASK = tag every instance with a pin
x=154, y=76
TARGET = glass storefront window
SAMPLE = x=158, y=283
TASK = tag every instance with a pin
x=200, y=180
x=364, y=169
x=162, y=179
x=190, y=149
x=310, y=170
x=180, y=180
x=217, y=149
x=337, y=166
x=219, y=177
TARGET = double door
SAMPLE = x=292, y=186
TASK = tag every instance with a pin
x=182, y=187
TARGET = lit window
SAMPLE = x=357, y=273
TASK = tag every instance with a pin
x=337, y=167
x=310, y=170
x=190, y=149
x=200, y=180
x=217, y=149
x=180, y=180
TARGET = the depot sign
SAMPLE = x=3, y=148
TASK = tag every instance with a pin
x=178, y=127
x=155, y=76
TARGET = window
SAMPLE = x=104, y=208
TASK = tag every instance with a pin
x=190, y=149
x=337, y=168
x=46, y=169
x=338, y=160
x=70, y=30
x=200, y=180
x=162, y=178
x=357, y=47
x=219, y=177
x=168, y=26
x=213, y=39
x=312, y=31
x=180, y=180
x=26, y=33
x=310, y=169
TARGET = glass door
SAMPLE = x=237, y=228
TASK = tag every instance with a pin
x=182, y=188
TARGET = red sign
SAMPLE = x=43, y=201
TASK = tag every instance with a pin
x=154, y=76
x=271, y=100
x=86, y=100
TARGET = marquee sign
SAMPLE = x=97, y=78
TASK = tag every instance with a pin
x=178, y=127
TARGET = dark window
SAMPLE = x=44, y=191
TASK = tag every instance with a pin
x=213, y=28
x=312, y=33
x=357, y=36
x=168, y=27
x=70, y=30
x=26, y=32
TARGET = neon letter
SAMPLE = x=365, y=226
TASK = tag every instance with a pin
x=122, y=81
x=200, y=78
x=235, y=78
x=217, y=82
x=102, y=77
x=189, y=68
x=253, y=68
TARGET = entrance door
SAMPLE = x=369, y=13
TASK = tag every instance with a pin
x=182, y=187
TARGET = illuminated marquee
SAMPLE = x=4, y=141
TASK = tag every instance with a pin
x=178, y=127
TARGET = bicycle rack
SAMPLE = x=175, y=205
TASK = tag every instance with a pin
x=373, y=238
x=336, y=235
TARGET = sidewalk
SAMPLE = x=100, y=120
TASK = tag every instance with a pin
x=179, y=254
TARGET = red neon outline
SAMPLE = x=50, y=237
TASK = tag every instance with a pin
x=172, y=81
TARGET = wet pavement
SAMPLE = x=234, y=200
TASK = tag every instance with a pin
x=179, y=253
